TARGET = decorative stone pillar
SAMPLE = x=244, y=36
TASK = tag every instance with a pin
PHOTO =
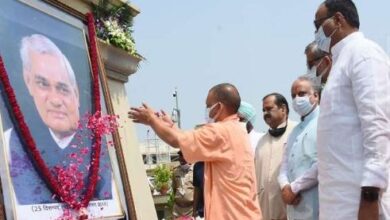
x=119, y=65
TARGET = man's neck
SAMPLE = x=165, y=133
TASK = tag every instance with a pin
x=61, y=136
x=314, y=107
x=281, y=124
x=343, y=34
x=62, y=140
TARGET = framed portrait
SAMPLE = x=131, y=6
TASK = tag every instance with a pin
x=45, y=53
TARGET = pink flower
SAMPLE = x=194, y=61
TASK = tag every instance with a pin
x=66, y=215
x=62, y=179
x=80, y=160
x=102, y=124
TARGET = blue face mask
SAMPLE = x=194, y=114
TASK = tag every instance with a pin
x=302, y=105
x=322, y=40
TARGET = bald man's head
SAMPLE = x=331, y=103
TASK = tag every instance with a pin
x=227, y=94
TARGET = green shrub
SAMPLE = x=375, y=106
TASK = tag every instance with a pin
x=114, y=25
x=162, y=176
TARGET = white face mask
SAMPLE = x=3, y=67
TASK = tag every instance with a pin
x=313, y=74
x=302, y=105
x=322, y=40
x=208, y=119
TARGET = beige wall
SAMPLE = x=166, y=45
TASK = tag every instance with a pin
x=142, y=197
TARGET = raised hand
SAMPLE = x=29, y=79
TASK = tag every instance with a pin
x=166, y=118
x=143, y=114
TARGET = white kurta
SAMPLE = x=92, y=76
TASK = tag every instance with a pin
x=354, y=128
x=254, y=137
x=268, y=158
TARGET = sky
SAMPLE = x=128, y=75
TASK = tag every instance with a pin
x=256, y=45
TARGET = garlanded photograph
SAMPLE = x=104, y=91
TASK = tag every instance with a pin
x=56, y=155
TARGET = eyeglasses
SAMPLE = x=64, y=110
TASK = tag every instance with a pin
x=311, y=63
x=320, y=21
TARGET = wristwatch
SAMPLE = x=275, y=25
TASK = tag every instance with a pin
x=370, y=194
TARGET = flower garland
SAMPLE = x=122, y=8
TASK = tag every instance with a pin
x=31, y=147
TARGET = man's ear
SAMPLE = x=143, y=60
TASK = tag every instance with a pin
x=339, y=18
x=328, y=60
x=28, y=80
x=284, y=108
x=316, y=94
x=76, y=92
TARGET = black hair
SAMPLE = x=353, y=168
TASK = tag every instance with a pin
x=228, y=95
x=345, y=7
x=280, y=100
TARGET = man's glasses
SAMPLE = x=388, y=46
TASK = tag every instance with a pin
x=311, y=63
x=318, y=22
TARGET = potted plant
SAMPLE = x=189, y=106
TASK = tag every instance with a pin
x=114, y=25
x=162, y=178
x=116, y=44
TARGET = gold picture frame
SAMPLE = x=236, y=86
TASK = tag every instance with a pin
x=63, y=13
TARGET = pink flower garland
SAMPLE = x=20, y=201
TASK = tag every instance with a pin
x=28, y=140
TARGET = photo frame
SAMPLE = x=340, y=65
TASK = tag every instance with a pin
x=25, y=24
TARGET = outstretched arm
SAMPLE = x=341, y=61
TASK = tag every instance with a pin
x=163, y=126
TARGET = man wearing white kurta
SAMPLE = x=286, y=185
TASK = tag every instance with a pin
x=298, y=172
x=268, y=156
x=354, y=124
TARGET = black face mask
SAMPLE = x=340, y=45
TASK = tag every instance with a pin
x=277, y=132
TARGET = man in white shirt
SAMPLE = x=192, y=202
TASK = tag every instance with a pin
x=268, y=156
x=354, y=124
x=247, y=114
x=298, y=172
